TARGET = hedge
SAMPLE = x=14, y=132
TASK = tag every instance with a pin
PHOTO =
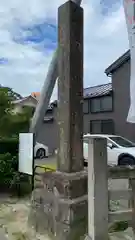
x=10, y=179
x=9, y=145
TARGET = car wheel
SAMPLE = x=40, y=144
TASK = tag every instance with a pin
x=41, y=153
x=126, y=160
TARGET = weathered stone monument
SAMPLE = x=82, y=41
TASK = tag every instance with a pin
x=70, y=87
x=71, y=179
x=62, y=209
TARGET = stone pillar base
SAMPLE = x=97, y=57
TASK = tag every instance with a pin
x=61, y=208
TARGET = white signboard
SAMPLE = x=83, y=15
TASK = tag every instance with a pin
x=26, y=153
x=129, y=8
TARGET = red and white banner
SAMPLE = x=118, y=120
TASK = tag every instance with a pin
x=129, y=9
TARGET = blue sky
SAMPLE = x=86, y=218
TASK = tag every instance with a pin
x=28, y=38
x=43, y=35
x=108, y=6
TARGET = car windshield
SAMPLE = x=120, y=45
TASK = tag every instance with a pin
x=122, y=142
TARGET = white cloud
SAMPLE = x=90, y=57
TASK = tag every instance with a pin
x=105, y=40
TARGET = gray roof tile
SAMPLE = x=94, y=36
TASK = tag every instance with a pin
x=99, y=90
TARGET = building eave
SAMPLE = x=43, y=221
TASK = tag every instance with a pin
x=24, y=99
x=118, y=63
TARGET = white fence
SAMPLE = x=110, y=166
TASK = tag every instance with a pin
x=99, y=215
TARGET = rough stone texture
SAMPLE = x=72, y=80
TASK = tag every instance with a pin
x=63, y=205
x=68, y=232
x=57, y=213
x=70, y=183
x=70, y=87
x=41, y=214
x=70, y=186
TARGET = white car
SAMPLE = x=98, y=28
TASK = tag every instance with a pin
x=40, y=151
x=120, y=151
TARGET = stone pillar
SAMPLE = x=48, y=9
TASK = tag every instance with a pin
x=70, y=180
x=63, y=205
x=97, y=189
x=70, y=87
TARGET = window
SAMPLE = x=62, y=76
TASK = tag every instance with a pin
x=102, y=126
x=86, y=106
x=107, y=126
x=49, y=110
x=122, y=141
x=101, y=104
x=95, y=126
x=106, y=103
x=48, y=119
x=95, y=105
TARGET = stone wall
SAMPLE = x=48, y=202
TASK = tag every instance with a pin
x=59, y=205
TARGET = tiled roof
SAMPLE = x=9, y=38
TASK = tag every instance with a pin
x=99, y=90
x=35, y=95
x=19, y=100
x=95, y=91
x=23, y=99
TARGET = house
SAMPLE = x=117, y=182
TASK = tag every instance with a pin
x=105, y=106
x=98, y=115
x=31, y=101
x=20, y=104
x=119, y=71
x=98, y=109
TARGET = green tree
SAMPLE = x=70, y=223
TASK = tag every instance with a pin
x=12, y=94
x=12, y=124
x=5, y=111
x=20, y=122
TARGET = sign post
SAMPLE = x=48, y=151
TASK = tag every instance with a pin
x=26, y=154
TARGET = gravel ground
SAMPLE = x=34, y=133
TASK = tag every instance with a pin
x=14, y=222
x=14, y=215
x=14, y=218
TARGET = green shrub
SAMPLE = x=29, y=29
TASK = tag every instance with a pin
x=8, y=169
x=116, y=226
x=9, y=145
x=10, y=178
